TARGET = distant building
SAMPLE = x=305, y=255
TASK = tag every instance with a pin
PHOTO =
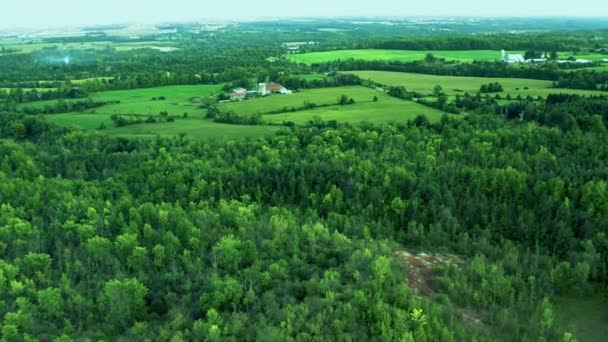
x=263, y=89
x=274, y=87
x=511, y=59
x=605, y=60
x=238, y=96
x=536, y=60
x=583, y=61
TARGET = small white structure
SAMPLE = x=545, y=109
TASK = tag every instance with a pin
x=262, y=90
x=605, y=60
x=536, y=60
x=511, y=59
x=583, y=61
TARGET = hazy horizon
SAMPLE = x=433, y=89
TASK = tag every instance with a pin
x=70, y=13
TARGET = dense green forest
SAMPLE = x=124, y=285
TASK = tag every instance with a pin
x=294, y=236
x=469, y=227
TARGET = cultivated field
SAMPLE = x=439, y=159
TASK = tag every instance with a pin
x=386, y=110
x=453, y=85
x=195, y=127
x=179, y=100
x=414, y=55
x=395, y=55
x=278, y=108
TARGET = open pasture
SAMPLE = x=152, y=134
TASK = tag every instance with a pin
x=178, y=100
x=395, y=55
x=454, y=85
x=464, y=56
x=385, y=110
x=195, y=127
x=278, y=108
x=284, y=103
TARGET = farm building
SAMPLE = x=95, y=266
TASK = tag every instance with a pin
x=536, y=60
x=263, y=89
x=583, y=61
x=605, y=60
x=277, y=88
x=511, y=59
x=238, y=96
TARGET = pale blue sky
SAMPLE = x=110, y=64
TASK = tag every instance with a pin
x=41, y=13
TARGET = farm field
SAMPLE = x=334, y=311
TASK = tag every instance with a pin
x=414, y=55
x=603, y=68
x=321, y=96
x=453, y=85
x=195, y=127
x=277, y=108
x=395, y=55
x=179, y=99
x=139, y=102
x=384, y=111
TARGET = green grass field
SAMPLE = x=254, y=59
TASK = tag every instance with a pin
x=588, y=317
x=411, y=55
x=387, y=108
x=602, y=68
x=453, y=85
x=384, y=111
x=40, y=90
x=195, y=127
x=395, y=55
x=139, y=102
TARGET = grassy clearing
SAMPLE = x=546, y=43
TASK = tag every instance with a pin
x=179, y=100
x=587, y=316
x=597, y=57
x=602, y=68
x=395, y=55
x=453, y=85
x=139, y=102
x=200, y=129
x=386, y=109
x=412, y=55
x=195, y=127
x=274, y=103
